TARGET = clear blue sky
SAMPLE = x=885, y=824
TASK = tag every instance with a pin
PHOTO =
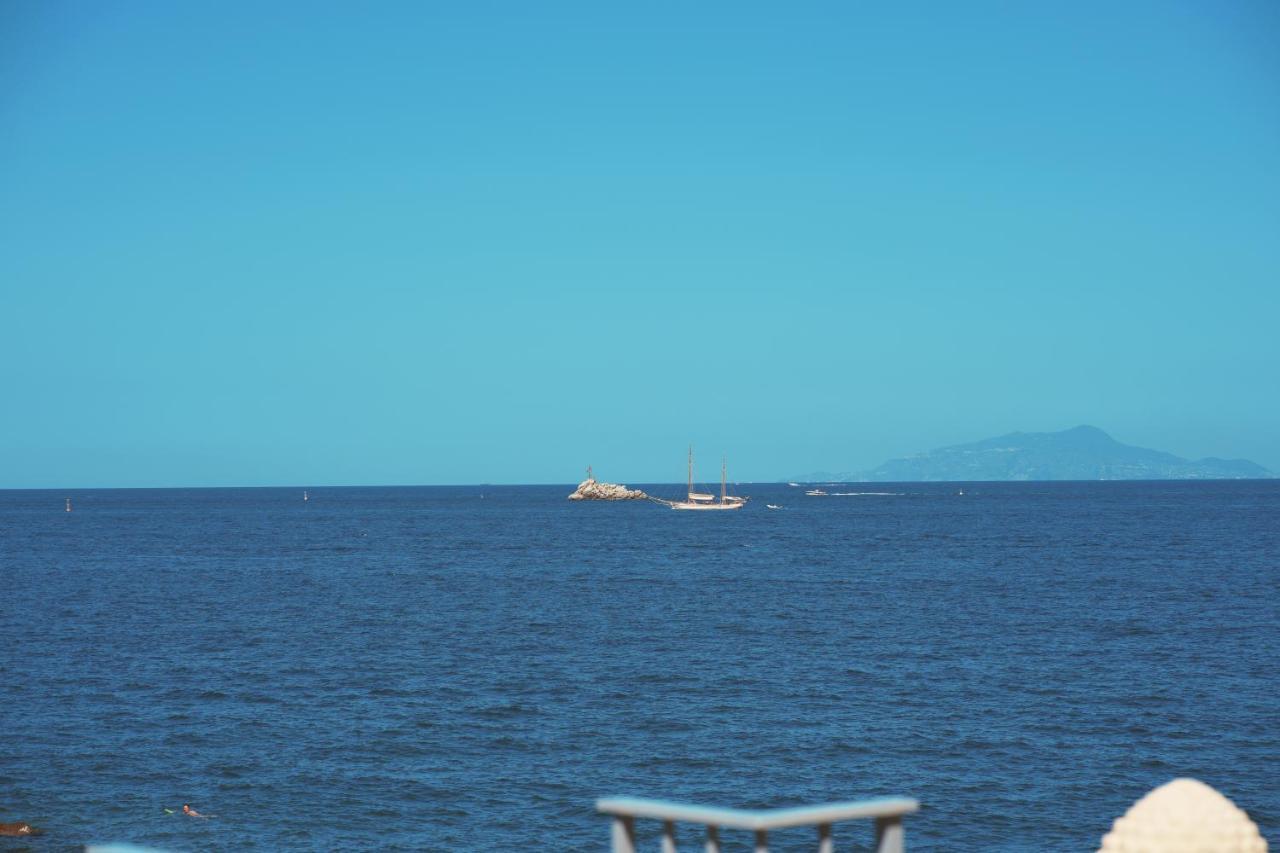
x=274, y=243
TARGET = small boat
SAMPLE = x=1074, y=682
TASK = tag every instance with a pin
x=816, y=493
x=305, y=497
x=773, y=506
x=960, y=493
x=703, y=500
x=797, y=485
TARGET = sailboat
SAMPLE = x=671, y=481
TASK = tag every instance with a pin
x=703, y=500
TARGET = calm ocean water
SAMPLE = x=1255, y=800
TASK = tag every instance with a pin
x=465, y=668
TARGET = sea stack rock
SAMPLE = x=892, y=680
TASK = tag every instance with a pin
x=590, y=490
x=1184, y=815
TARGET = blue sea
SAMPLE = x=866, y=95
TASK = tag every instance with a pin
x=470, y=668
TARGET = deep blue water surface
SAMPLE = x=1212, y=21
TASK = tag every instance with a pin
x=467, y=668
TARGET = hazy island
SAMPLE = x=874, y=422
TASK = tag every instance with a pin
x=1082, y=453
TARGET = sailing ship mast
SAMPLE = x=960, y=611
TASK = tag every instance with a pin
x=690, y=492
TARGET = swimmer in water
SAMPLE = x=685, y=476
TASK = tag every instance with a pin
x=190, y=812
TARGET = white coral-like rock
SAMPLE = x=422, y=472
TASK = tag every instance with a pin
x=590, y=490
x=1184, y=816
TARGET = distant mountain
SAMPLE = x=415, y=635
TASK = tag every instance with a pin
x=1082, y=453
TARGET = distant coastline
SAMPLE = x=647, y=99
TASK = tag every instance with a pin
x=1081, y=453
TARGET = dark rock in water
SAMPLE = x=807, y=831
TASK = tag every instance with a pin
x=19, y=829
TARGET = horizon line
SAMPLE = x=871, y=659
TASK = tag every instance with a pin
x=635, y=482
